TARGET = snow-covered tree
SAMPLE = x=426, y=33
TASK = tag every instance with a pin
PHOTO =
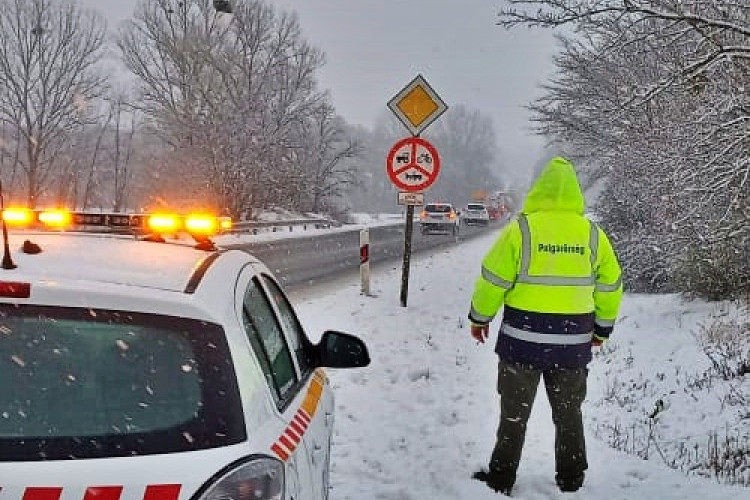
x=324, y=158
x=229, y=94
x=372, y=191
x=652, y=96
x=468, y=149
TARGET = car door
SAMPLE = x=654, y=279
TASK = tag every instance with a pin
x=271, y=350
x=316, y=409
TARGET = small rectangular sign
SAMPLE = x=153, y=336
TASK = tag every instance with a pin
x=410, y=198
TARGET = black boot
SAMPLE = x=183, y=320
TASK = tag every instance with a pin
x=500, y=481
x=569, y=482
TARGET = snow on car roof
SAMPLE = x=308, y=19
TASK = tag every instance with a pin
x=102, y=258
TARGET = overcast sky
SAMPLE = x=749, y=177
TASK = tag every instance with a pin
x=375, y=47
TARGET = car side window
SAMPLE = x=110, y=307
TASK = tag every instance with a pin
x=268, y=342
x=299, y=343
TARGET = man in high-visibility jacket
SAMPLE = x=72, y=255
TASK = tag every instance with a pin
x=560, y=283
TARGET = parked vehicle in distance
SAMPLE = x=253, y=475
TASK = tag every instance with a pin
x=499, y=204
x=439, y=218
x=495, y=212
x=476, y=214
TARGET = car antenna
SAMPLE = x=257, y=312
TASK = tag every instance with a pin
x=7, y=260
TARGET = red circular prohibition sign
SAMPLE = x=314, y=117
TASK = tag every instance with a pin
x=423, y=167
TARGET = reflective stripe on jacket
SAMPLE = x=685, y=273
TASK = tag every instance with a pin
x=555, y=272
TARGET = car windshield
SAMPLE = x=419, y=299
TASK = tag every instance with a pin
x=90, y=383
x=442, y=209
x=474, y=206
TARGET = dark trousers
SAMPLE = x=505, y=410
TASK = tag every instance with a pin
x=566, y=390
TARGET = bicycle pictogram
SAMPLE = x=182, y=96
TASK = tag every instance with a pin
x=424, y=158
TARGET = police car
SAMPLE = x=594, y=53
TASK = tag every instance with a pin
x=147, y=370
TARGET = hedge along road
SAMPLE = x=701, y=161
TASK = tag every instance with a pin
x=302, y=261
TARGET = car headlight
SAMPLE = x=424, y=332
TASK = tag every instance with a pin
x=261, y=478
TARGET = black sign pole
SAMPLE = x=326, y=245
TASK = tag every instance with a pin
x=407, y=254
x=407, y=248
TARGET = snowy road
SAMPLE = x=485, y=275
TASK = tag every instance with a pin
x=300, y=260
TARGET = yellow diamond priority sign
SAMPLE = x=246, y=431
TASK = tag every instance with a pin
x=417, y=105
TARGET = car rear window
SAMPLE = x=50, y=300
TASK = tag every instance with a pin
x=442, y=209
x=474, y=206
x=91, y=383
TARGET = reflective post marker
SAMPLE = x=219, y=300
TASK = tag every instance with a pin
x=364, y=260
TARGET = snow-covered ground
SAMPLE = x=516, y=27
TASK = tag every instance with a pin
x=421, y=418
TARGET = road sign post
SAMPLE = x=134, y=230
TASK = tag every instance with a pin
x=407, y=255
x=413, y=164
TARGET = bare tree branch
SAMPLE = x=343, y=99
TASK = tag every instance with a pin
x=48, y=57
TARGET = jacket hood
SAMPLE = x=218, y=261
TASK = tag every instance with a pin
x=556, y=189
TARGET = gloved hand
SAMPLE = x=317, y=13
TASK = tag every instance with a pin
x=597, y=341
x=601, y=334
x=480, y=332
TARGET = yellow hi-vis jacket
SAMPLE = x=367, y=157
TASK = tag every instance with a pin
x=556, y=274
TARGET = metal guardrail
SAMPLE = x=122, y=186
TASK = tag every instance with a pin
x=253, y=227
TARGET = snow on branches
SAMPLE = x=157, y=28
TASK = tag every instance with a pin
x=653, y=97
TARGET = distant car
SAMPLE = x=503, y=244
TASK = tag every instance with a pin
x=494, y=212
x=475, y=214
x=439, y=218
x=155, y=370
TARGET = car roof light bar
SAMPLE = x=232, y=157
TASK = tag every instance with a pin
x=201, y=224
x=164, y=223
x=18, y=216
x=225, y=223
x=160, y=223
x=55, y=218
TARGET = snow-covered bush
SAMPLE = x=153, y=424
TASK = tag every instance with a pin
x=702, y=270
x=683, y=400
x=727, y=344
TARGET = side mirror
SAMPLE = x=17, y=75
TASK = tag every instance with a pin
x=341, y=350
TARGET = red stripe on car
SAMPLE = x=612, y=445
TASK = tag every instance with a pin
x=162, y=492
x=103, y=493
x=301, y=421
x=40, y=493
x=292, y=434
x=302, y=414
x=280, y=452
x=297, y=427
x=287, y=442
